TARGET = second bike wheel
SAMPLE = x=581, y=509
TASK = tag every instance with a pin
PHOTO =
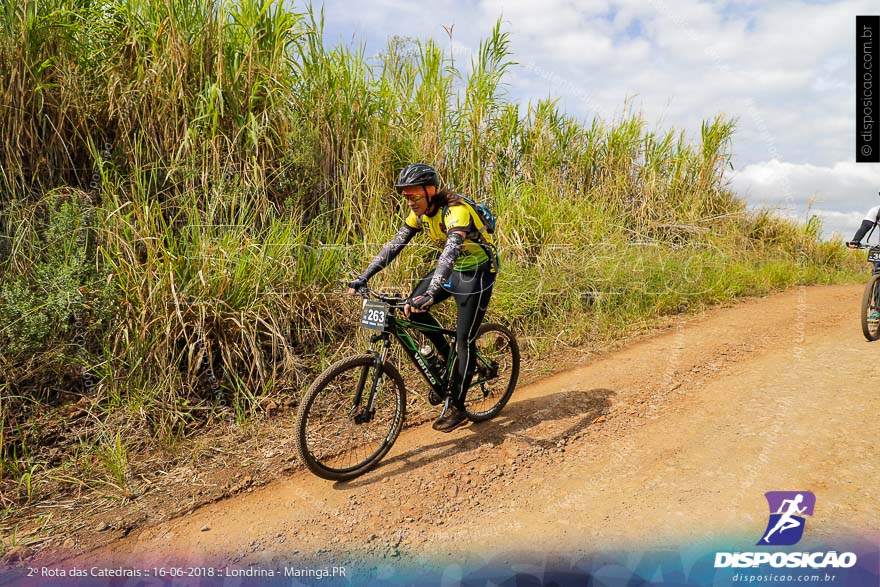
x=871, y=309
x=336, y=437
x=496, y=372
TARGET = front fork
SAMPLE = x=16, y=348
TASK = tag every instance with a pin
x=876, y=292
x=366, y=413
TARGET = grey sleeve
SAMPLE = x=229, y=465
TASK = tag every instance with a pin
x=389, y=251
x=445, y=263
x=863, y=230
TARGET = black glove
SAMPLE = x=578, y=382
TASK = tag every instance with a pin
x=358, y=284
x=422, y=302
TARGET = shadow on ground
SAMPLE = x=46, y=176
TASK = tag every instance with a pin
x=517, y=420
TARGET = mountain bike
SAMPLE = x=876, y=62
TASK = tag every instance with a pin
x=351, y=415
x=871, y=298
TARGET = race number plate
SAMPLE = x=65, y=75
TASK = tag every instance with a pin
x=373, y=315
x=874, y=254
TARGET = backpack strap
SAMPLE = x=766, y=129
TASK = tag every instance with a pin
x=481, y=227
x=475, y=218
x=470, y=204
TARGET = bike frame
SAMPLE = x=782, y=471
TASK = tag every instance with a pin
x=874, y=271
x=400, y=328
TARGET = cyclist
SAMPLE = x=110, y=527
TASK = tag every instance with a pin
x=466, y=270
x=868, y=222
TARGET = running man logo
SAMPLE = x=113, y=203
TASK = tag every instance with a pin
x=786, y=525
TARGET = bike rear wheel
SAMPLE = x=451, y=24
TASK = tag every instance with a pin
x=496, y=372
x=337, y=438
x=871, y=309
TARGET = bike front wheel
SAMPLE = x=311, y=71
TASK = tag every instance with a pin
x=496, y=372
x=871, y=309
x=338, y=436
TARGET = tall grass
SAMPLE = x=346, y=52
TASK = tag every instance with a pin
x=183, y=185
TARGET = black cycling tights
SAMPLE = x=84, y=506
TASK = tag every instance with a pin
x=472, y=290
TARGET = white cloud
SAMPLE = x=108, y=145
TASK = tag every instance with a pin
x=843, y=224
x=840, y=194
x=784, y=69
x=580, y=46
x=771, y=179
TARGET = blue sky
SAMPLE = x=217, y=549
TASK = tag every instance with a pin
x=784, y=69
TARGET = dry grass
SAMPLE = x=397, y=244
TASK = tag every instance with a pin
x=183, y=186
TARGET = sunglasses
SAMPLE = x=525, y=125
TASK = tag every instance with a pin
x=413, y=197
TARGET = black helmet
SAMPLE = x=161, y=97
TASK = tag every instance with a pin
x=417, y=174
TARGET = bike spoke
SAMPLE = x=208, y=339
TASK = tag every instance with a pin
x=341, y=438
x=495, y=375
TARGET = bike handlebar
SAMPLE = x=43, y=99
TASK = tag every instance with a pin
x=393, y=301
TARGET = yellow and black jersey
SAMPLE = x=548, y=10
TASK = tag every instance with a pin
x=457, y=215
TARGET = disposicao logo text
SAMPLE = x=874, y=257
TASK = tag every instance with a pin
x=785, y=528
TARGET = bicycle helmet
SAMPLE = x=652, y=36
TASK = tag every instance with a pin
x=417, y=174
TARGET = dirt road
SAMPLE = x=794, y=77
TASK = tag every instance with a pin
x=673, y=439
